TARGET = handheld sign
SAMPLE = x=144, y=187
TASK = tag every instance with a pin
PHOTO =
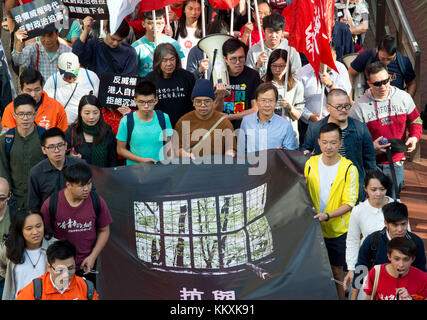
x=79, y=9
x=117, y=90
x=39, y=17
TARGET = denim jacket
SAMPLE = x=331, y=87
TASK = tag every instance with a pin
x=358, y=146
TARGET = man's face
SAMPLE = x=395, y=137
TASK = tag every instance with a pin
x=50, y=41
x=62, y=271
x=266, y=102
x=24, y=116
x=339, y=108
x=397, y=229
x=79, y=191
x=112, y=40
x=54, y=149
x=168, y=64
x=385, y=58
x=235, y=62
x=33, y=89
x=149, y=26
x=273, y=37
x=203, y=106
x=264, y=10
x=330, y=143
x=379, y=83
x=400, y=262
x=145, y=103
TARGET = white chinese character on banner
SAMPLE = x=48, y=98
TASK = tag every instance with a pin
x=224, y=295
x=193, y=295
x=311, y=33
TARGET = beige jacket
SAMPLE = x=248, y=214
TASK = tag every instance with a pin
x=7, y=268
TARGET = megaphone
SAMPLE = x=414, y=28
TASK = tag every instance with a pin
x=212, y=46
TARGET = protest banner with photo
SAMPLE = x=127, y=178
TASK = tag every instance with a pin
x=38, y=17
x=117, y=90
x=79, y=9
x=212, y=232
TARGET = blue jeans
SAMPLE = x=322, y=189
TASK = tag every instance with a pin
x=400, y=176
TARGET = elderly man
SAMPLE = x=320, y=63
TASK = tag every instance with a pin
x=197, y=130
x=264, y=129
x=70, y=84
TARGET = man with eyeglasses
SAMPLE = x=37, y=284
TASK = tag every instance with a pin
x=145, y=141
x=388, y=112
x=264, y=129
x=243, y=83
x=49, y=112
x=60, y=282
x=204, y=131
x=47, y=176
x=20, y=149
x=357, y=141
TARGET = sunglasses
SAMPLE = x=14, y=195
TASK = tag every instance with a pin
x=380, y=83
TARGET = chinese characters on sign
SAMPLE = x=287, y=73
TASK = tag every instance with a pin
x=116, y=90
x=38, y=17
x=79, y=9
x=197, y=295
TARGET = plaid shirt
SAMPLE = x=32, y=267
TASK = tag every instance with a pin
x=46, y=65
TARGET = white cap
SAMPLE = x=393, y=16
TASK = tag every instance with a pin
x=68, y=64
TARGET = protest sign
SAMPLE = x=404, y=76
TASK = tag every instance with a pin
x=79, y=9
x=117, y=90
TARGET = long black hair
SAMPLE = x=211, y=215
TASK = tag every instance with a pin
x=182, y=22
x=77, y=128
x=15, y=242
x=274, y=56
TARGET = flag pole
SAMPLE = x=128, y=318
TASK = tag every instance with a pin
x=202, y=4
x=322, y=94
x=249, y=20
x=167, y=16
x=287, y=70
x=259, y=26
x=156, y=41
x=231, y=21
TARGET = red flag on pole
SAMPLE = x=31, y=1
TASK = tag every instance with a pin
x=224, y=4
x=149, y=5
x=309, y=33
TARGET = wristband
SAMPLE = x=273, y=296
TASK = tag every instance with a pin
x=327, y=215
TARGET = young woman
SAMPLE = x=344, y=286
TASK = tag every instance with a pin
x=189, y=30
x=90, y=137
x=366, y=217
x=23, y=254
x=291, y=104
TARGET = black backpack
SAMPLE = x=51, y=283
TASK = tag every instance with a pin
x=38, y=288
x=131, y=124
x=53, y=203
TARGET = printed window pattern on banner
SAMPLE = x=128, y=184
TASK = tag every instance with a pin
x=219, y=234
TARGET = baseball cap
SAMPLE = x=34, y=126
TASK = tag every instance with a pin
x=68, y=64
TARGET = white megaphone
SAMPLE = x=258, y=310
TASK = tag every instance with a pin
x=212, y=46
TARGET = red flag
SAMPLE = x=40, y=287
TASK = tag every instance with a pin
x=224, y=4
x=150, y=5
x=287, y=14
x=309, y=32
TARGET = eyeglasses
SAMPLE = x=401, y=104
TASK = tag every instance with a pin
x=266, y=101
x=339, y=107
x=53, y=147
x=149, y=103
x=234, y=59
x=278, y=66
x=23, y=115
x=61, y=268
x=173, y=59
x=206, y=102
x=380, y=83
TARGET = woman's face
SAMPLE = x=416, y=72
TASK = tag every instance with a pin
x=90, y=114
x=278, y=68
x=375, y=190
x=33, y=231
x=192, y=11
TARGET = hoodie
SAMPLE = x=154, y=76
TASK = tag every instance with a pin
x=389, y=118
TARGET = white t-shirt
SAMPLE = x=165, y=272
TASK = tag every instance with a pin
x=25, y=273
x=327, y=176
x=187, y=43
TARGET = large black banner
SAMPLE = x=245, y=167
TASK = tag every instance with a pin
x=212, y=232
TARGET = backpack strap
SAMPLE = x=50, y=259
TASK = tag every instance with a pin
x=38, y=288
x=377, y=268
x=90, y=289
x=162, y=122
x=375, y=238
x=88, y=77
x=96, y=203
x=130, y=125
x=401, y=64
x=345, y=177
x=53, y=203
x=38, y=56
x=9, y=137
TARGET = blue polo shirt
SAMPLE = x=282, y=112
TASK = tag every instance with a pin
x=255, y=135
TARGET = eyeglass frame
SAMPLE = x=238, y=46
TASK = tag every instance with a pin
x=206, y=102
x=23, y=115
x=52, y=148
x=73, y=269
x=380, y=83
x=341, y=107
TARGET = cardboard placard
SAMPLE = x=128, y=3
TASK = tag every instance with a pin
x=39, y=17
x=117, y=90
x=80, y=9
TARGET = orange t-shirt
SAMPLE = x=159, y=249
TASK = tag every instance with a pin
x=50, y=114
x=77, y=290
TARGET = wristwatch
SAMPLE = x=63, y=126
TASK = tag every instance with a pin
x=327, y=215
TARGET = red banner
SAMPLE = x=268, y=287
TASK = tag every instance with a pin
x=149, y=5
x=224, y=4
x=309, y=32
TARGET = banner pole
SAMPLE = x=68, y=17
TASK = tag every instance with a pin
x=156, y=41
x=259, y=26
x=231, y=21
x=202, y=3
x=167, y=16
x=322, y=94
x=287, y=71
x=249, y=20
